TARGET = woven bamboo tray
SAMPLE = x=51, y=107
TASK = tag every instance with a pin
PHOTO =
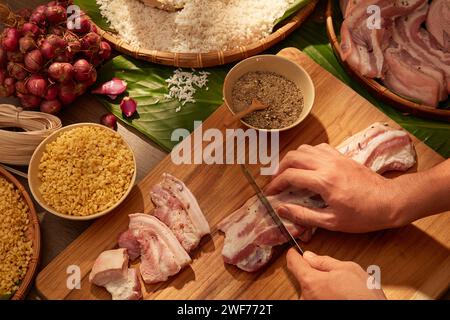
x=33, y=233
x=211, y=59
x=373, y=86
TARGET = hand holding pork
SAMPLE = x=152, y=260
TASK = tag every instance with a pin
x=358, y=200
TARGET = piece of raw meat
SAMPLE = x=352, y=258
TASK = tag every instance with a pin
x=412, y=38
x=128, y=240
x=177, y=207
x=162, y=255
x=126, y=288
x=250, y=233
x=438, y=22
x=362, y=47
x=110, y=265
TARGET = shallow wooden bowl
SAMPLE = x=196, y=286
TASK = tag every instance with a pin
x=35, y=182
x=279, y=65
x=215, y=58
x=34, y=234
x=373, y=86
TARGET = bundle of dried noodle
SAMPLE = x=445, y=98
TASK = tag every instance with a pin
x=17, y=146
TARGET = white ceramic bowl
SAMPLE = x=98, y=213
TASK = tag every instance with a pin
x=35, y=182
x=279, y=65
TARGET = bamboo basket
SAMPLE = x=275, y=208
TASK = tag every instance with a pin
x=375, y=87
x=33, y=233
x=211, y=59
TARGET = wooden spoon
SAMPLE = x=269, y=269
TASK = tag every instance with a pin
x=162, y=4
x=255, y=106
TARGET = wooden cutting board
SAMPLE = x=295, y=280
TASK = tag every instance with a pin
x=414, y=260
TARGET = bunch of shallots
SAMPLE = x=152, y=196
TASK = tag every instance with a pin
x=45, y=64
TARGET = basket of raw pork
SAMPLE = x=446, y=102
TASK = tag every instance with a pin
x=398, y=49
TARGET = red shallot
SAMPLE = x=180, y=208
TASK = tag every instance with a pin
x=51, y=106
x=37, y=85
x=29, y=101
x=10, y=40
x=111, y=88
x=61, y=71
x=109, y=120
x=34, y=60
x=128, y=106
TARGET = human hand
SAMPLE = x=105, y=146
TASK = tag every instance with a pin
x=325, y=278
x=358, y=199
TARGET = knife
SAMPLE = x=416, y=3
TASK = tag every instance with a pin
x=275, y=217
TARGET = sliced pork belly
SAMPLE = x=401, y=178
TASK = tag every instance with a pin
x=380, y=148
x=162, y=255
x=109, y=266
x=250, y=234
x=361, y=46
x=252, y=231
x=438, y=22
x=410, y=36
x=177, y=207
x=410, y=78
x=126, y=288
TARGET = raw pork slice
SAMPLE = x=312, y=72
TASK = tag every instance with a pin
x=110, y=266
x=177, y=207
x=128, y=241
x=162, y=255
x=438, y=22
x=250, y=234
x=126, y=288
x=362, y=47
x=411, y=78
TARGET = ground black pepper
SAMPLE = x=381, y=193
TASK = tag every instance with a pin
x=282, y=96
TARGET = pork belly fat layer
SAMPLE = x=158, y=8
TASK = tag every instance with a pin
x=250, y=233
x=110, y=266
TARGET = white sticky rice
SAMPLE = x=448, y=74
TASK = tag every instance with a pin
x=202, y=26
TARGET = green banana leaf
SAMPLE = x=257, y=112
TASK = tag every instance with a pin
x=157, y=119
x=156, y=116
x=297, y=5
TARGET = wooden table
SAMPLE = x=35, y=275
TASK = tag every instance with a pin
x=58, y=233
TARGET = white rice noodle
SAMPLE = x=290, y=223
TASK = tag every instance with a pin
x=183, y=85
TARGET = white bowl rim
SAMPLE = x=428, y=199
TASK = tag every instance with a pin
x=48, y=208
x=272, y=56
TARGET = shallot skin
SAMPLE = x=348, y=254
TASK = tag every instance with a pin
x=113, y=87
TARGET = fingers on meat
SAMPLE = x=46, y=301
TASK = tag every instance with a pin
x=250, y=233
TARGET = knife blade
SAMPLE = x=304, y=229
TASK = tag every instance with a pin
x=274, y=215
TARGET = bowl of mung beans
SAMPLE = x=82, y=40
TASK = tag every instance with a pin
x=82, y=171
